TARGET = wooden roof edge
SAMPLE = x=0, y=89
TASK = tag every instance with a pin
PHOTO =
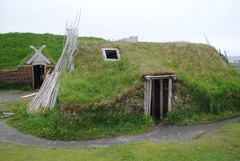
x=160, y=76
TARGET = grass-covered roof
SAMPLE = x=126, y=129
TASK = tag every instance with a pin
x=15, y=50
x=198, y=65
x=94, y=81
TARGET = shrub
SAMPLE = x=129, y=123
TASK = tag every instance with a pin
x=180, y=116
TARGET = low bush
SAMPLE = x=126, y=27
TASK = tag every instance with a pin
x=179, y=116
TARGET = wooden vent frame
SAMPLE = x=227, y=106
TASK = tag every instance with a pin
x=111, y=54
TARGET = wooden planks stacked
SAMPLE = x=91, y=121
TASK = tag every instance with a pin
x=47, y=95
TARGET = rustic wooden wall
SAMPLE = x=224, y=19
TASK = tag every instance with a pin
x=23, y=75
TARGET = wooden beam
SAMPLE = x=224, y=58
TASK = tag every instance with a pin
x=156, y=77
x=153, y=107
x=29, y=95
x=150, y=97
x=161, y=100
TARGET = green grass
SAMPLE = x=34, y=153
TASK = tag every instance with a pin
x=211, y=81
x=13, y=87
x=196, y=116
x=15, y=50
x=8, y=105
x=222, y=144
x=111, y=79
x=87, y=124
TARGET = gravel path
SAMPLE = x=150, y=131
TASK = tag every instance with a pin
x=161, y=133
x=9, y=97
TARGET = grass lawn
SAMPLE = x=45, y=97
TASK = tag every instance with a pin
x=8, y=105
x=5, y=106
x=220, y=144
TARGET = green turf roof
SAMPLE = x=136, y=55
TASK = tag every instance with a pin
x=15, y=50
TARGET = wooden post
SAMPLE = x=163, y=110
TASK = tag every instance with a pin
x=45, y=71
x=225, y=55
x=33, y=79
x=161, y=100
x=153, y=99
x=169, y=94
x=150, y=97
x=147, y=97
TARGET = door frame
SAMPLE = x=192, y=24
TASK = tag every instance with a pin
x=149, y=92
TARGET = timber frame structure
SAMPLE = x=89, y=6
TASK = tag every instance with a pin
x=158, y=95
x=41, y=64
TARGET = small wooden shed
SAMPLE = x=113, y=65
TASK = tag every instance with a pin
x=40, y=65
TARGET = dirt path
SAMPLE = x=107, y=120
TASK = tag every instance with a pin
x=161, y=133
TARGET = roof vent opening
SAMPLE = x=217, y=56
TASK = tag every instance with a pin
x=111, y=54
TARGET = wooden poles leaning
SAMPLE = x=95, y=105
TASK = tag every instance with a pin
x=47, y=95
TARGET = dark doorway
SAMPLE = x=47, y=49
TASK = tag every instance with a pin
x=38, y=71
x=159, y=101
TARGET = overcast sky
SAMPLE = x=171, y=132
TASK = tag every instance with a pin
x=150, y=20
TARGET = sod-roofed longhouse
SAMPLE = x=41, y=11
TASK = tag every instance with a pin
x=153, y=78
x=150, y=78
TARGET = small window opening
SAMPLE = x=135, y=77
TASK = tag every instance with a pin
x=111, y=54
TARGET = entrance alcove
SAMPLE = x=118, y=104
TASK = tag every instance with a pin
x=38, y=75
x=158, y=95
x=40, y=63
